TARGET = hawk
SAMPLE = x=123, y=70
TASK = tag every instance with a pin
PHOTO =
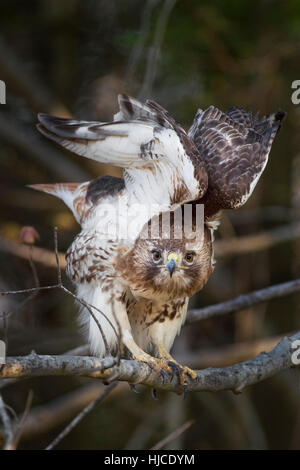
x=142, y=285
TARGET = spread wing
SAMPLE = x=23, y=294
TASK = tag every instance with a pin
x=142, y=135
x=235, y=147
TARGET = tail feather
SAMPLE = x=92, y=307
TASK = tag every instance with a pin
x=72, y=194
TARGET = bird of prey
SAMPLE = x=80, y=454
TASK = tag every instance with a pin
x=142, y=285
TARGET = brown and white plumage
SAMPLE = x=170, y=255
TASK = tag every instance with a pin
x=121, y=276
x=161, y=164
x=235, y=147
x=218, y=164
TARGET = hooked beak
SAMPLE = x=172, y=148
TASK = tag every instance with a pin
x=171, y=265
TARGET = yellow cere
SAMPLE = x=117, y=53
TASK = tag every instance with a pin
x=174, y=256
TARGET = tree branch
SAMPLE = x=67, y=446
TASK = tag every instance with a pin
x=39, y=255
x=80, y=416
x=7, y=425
x=235, y=377
x=171, y=437
x=244, y=301
x=258, y=242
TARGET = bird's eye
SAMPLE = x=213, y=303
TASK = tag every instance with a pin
x=156, y=256
x=189, y=258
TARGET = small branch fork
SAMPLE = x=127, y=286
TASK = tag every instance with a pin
x=13, y=429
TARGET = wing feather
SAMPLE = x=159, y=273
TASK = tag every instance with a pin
x=142, y=136
x=235, y=147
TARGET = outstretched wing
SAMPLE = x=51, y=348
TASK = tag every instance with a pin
x=235, y=147
x=142, y=136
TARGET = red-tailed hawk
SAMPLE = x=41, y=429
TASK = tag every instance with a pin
x=142, y=285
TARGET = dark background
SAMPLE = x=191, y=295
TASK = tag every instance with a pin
x=72, y=58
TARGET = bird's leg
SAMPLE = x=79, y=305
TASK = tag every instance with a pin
x=121, y=318
x=180, y=370
x=159, y=364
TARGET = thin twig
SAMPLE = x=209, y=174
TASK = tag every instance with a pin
x=8, y=429
x=90, y=308
x=244, y=301
x=258, y=242
x=67, y=291
x=80, y=416
x=21, y=424
x=27, y=291
x=171, y=437
x=63, y=408
x=60, y=285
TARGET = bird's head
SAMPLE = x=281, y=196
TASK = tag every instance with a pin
x=171, y=261
x=166, y=268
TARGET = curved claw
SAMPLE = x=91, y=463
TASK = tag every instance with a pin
x=133, y=389
x=164, y=375
x=181, y=372
x=185, y=391
x=175, y=369
x=154, y=395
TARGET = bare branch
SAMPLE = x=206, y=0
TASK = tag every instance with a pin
x=60, y=410
x=171, y=437
x=80, y=416
x=258, y=242
x=244, y=301
x=21, y=424
x=38, y=255
x=228, y=354
x=7, y=425
x=235, y=377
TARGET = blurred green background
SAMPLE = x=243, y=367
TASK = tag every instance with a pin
x=72, y=58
